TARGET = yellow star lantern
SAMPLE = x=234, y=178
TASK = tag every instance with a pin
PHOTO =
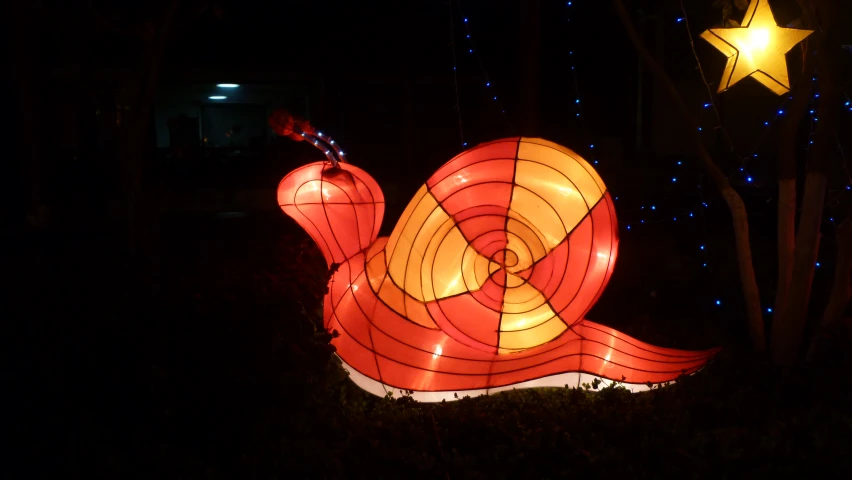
x=758, y=48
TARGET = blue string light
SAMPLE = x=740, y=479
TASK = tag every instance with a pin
x=456, y=79
x=742, y=171
x=473, y=51
x=747, y=177
x=578, y=112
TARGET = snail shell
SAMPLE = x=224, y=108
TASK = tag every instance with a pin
x=485, y=280
x=505, y=246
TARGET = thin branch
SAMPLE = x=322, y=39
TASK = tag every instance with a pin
x=704, y=79
x=739, y=216
x=712, y=169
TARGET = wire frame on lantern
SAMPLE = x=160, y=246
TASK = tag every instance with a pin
x=484, y=282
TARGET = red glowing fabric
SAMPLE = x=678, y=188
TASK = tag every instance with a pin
x=484, y=282
x=285, y=124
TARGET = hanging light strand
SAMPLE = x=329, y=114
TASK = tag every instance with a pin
x=719, y=126
x=456, y=77
x=741, y=171
x=578, y=104
x=492, y=90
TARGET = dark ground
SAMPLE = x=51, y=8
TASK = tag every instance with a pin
x=218, y=374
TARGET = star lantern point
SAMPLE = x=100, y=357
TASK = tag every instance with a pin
x=758, y=48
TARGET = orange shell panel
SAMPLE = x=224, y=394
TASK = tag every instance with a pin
x=485, y=280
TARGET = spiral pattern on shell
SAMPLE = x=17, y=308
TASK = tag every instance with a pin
x=504, y=248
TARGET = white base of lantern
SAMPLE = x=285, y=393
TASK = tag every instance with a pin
x=571, y=379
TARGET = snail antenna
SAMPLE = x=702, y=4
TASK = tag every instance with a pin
x=286, y=125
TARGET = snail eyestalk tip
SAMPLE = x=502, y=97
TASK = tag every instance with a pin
x=286, y=125
x=329, y=148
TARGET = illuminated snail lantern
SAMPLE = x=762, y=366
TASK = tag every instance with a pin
x=484, y=282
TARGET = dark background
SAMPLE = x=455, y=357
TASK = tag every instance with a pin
x=115, y=360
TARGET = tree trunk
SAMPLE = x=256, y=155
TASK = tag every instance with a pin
x=840, y=291
x=739, y=216
x=786, y=238
x=801, y=95
x=790, y=322
x=751, y=293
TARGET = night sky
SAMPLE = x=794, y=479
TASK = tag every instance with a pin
x=365, y=53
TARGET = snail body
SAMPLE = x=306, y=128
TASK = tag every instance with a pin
x=484, y=282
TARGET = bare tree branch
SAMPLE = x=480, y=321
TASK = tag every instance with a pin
x=735, y=203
